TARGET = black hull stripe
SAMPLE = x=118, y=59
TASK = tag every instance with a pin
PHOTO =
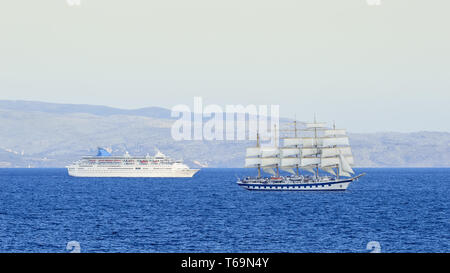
x=290, y=190
x=293, y=185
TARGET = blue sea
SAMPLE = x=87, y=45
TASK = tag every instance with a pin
x=401, y=210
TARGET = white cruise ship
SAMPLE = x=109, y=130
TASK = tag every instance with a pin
x=106, y=165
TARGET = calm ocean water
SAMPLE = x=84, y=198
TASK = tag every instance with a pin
x=405, y=210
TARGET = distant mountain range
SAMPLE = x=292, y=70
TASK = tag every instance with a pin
x=39, y=134
x=56, y=108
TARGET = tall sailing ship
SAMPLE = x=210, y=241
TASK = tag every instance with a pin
x=316, y=148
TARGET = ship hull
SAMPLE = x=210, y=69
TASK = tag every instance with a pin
x=336, y=185
x=121, y=172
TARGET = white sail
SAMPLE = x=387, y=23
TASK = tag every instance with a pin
x=269, y=171
x=329, y=161
x=308, y=169
x=327, y=152
x=252, y=162
x=290, y=161
x=269, y=151
x=319, y=147
x=309, y=142
x=345, y=166
x=289, y=170
x=332, y=141
x=336, y=160
x=307, y=161
x=342, y=173
x=285, y=152
x=304, y=141
x=292, y=141
x=309, y=151
x=316, y=125
x=329, y=170
x=253, y=151
x=270, y=161
x=335, y=132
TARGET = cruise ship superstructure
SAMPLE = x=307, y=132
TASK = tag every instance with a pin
x=106, y=165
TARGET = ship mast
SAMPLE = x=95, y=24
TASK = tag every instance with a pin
x=290, y=154
x=316, y=144
x=257, y=146
x=276, y=146
x=337, y=166
x=295, y=135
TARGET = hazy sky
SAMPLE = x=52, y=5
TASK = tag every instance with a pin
x=370, y=68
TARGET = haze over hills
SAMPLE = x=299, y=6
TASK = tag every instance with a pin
x=57, y=108
x=39, y=134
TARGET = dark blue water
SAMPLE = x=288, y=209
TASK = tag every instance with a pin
x=405, y=210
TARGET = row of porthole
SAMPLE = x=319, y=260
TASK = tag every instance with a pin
x=108, y=171
x=285, y=187
x=117, y=169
